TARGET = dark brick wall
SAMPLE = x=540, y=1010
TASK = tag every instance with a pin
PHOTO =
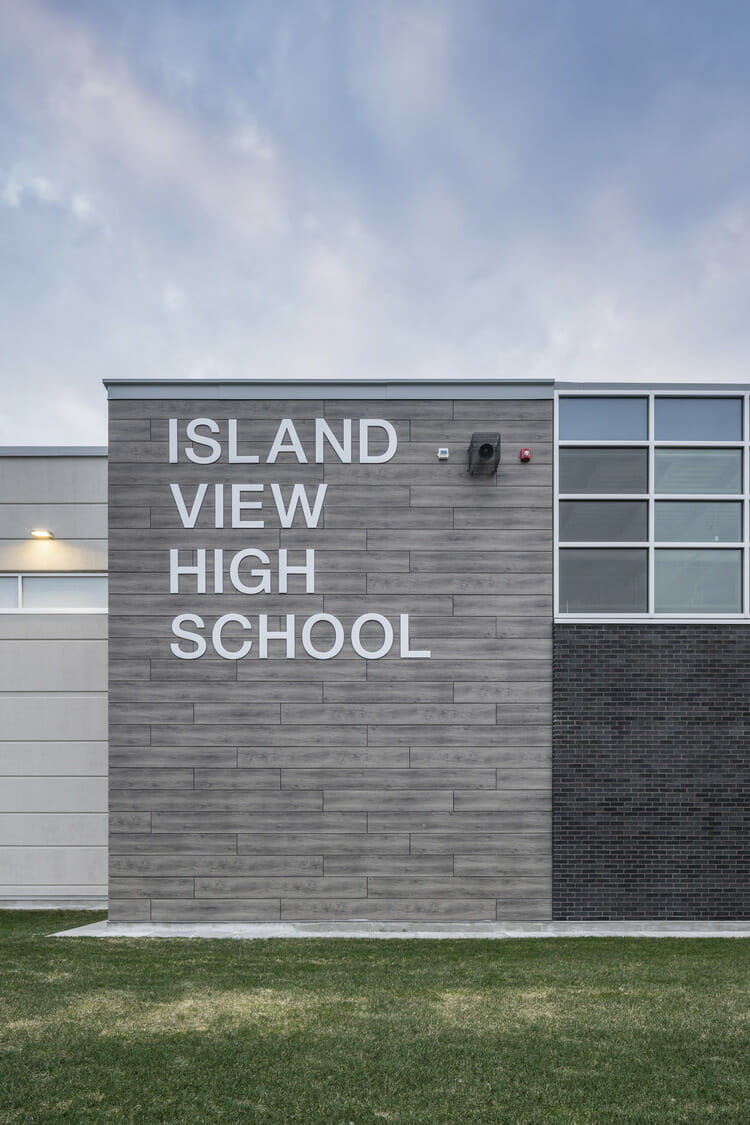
x=651, y=772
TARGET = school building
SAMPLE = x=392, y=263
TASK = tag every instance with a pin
x=381, y=651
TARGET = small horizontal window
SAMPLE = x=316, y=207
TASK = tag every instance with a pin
x=698, y=581
x=698, y=419
x=603, y=419
x=63, y=591
x=585, y=470
x=50, y=592
x=698, y=521
x=8, y=592
x=700, y=471
x=603, y=580
x=602, y=521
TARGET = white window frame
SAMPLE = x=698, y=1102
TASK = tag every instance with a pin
x=20, y=575
x=651, y=444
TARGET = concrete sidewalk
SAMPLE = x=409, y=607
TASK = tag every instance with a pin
x=253, y=931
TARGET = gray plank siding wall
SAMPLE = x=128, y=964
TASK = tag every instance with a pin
x=386, y=789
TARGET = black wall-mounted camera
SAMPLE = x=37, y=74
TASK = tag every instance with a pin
x=484, y=454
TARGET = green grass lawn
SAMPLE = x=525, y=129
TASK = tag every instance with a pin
x=339, y=1031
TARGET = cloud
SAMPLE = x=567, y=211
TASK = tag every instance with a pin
x=173, y=298
x=94, y=102
x=429, y=189
x=21, y=188
x=401, y=62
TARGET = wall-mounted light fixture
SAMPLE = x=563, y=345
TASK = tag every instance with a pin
x=41, y=533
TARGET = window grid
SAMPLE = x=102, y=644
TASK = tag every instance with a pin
x=651, y=444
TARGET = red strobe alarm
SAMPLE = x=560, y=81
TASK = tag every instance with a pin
x=525, y=455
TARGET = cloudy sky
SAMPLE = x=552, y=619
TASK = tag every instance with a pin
x=367, y=188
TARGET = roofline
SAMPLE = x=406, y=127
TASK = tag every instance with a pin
x=659, y=388
x=330, y=388
x=417, y=389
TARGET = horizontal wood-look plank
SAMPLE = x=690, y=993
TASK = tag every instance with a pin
x=390, y=910
x=512, y=842
x=120, y=822
x=248, y=886
x=513, y=432
x=128, y=909
x=149, y=886
x=167, y=756
x=414, y=820
x=452, y=668
x=497, y=864
x=145, y=842
x=503, y=800
x=498, y=584
x=149, y=778
x=377, y=800
x=514, y=692
x=235, y=694
x=531, y=887
x=226, y=779
x=254, y=822
x=392, y=408
x=198, y=801
x=123, y=433
x=214, y=910
x=507, y=757
x=250, y=734
x=132, y=713
x=481, y=561
x=157, y=863
x=540, y=778
x=425, y=628
x=481, y=714
x=304, y=669
x=417, y=734
x=323, y=756
x=505, y=605
x=384, y=516
x=465, y=542
x=243, y=407
x=325, y=843
x=525, y=496
x=389, y=865
x=371, y=691
x=380, y=779
x=520, y=409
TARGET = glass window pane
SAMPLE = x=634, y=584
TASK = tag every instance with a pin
x=603, y=419
x=698, y=419
x=64, y=591
x=602, y=520
x=698, y=470
x=699, y=581
x=603, y=580
x=698, y=521
x=8, y=592
x=603, y=470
